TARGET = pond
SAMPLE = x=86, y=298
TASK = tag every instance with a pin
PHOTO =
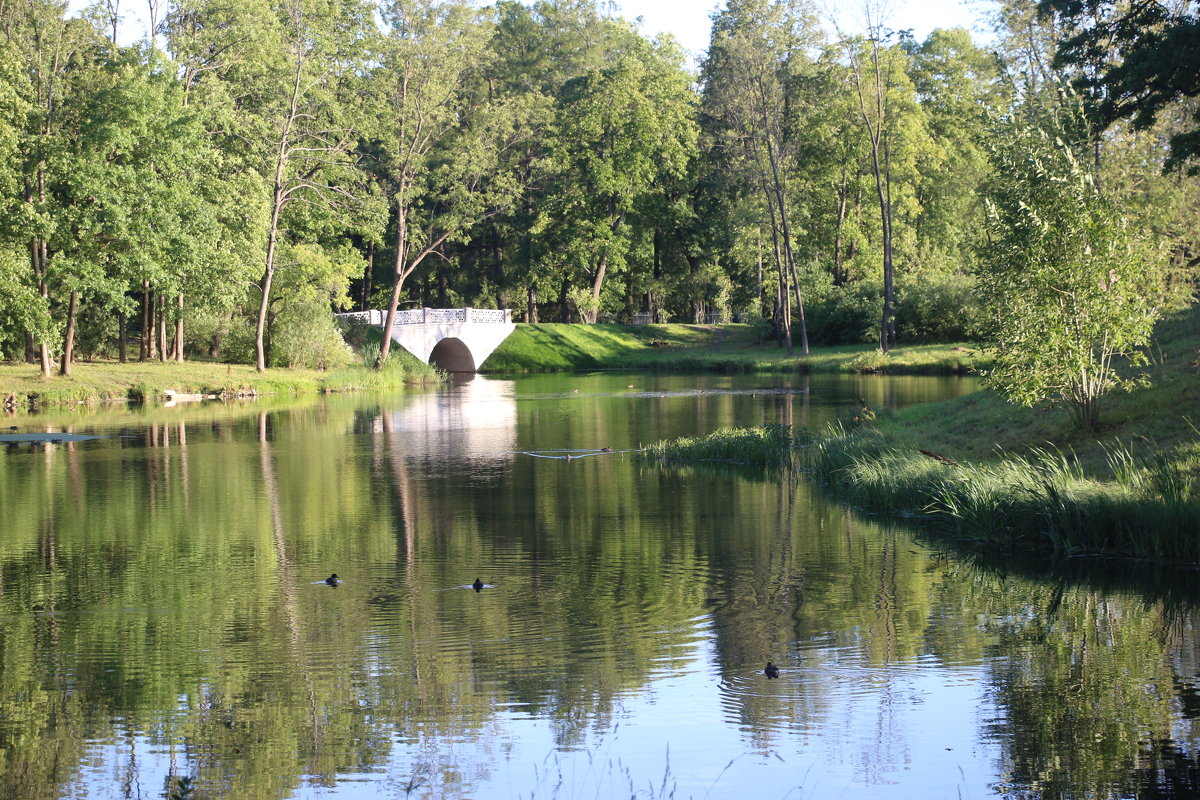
x=167, y=629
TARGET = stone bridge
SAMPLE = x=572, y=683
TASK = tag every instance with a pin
x=455, y=339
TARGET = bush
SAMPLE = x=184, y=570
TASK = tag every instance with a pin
x=946, y=309
x=308, y=336
x=845, y=315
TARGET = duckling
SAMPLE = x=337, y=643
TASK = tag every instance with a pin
x=606, y=449
x=332, y=580
x=477, y=585
x=771, y=671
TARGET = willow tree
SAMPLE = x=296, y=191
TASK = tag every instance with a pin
x=1070, y=289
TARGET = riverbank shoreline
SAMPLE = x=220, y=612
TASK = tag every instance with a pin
x=1008, y=478
x=735, y=347
x=540, y=348
x=23, y=388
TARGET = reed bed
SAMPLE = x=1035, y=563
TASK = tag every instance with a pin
x=1040, y=501
x=770, y=445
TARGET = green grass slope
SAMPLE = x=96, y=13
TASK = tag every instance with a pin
x=1028, y=479
x=553, y=347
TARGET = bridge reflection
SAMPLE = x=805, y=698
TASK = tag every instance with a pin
x=472, y=419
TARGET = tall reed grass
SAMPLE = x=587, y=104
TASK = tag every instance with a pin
x=1040, y=501
x=770, y=445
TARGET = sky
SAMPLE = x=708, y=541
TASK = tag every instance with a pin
x=688, y=20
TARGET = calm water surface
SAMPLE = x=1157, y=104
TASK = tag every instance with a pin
x=165, y=627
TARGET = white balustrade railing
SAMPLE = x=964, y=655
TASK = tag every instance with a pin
x=424, y=316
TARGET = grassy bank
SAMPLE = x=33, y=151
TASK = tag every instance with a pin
x=1015, y=479
x=1028, y=479
x=23, y=387
x=551, y=347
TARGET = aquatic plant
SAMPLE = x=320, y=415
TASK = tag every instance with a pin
x=1038, y=501
x=769, y=445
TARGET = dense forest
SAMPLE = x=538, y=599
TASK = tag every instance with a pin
x=215, y=191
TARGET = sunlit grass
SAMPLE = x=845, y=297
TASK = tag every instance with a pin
x=770, y=445
x=106, y=381
x=1040, y=500
x=722, y=348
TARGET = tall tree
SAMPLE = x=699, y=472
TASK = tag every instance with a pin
x=304, y=123
x=622, y=129
x=878, y=72
x=757, y=48
x=49, y=49
x=1133, y=61
x=438, y=136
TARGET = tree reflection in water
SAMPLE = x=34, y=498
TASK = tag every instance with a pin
x=181, y=634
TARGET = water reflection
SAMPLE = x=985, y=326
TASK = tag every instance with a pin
x=164, y=621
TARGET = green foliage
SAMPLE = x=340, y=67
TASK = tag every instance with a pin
x=938, y=310
x=1069, y=288
x=846, y=315
x=1135, y=61
x=546, y=158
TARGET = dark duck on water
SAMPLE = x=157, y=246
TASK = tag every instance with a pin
x=477, y=585
x=332, y=580
x=771, y=670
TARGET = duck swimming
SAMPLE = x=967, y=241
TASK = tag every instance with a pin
x=771, y=671
x=477, y=585
x=332, y=580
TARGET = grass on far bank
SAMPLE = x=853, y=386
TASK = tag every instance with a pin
x=110, y=381
x=551, y=347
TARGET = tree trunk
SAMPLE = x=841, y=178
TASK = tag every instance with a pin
x=39, y=254
x=122, y=350
x=592, y=314
x=144, y=345
x=498, y=269
x=787, y=246
x=839, y=273
x=784, y=312
x=69, y=338
x=368, y=276
x=531, y=309
x=179, y=330
x=398, y=275
x=162, y=327
x=278, y=200
x=758, y=278
x=564, y=305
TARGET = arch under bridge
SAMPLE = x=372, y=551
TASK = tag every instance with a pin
x=455, y=339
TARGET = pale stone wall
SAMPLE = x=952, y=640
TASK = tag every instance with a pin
x=455, y=339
